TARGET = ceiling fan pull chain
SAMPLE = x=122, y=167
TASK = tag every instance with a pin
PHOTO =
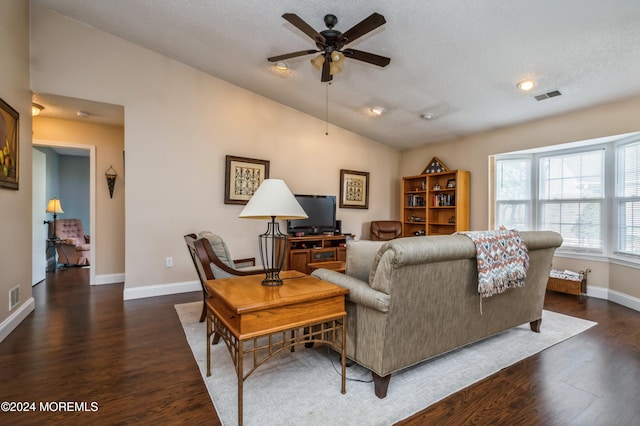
x=326, y=113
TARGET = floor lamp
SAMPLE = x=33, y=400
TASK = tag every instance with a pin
x=54, y=207
x=273, y=201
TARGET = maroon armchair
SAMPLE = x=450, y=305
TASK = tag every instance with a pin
x=74, y=246
x=384, y=230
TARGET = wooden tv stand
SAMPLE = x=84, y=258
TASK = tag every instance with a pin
x=314, y=248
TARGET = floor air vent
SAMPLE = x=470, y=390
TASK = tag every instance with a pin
x=548, y=95
x=14, y=297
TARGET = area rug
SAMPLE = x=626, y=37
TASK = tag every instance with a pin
x=303, y=388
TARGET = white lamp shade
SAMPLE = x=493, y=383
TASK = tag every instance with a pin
x=273, y=199
x=54, y=206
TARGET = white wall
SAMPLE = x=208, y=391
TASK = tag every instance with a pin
x=15, y=215
x=179, y=125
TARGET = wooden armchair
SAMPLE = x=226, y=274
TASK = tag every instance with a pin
x=210, y=265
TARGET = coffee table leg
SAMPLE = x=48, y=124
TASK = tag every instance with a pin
x=344, y=355
x=240, y=368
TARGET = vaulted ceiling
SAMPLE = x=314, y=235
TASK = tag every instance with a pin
x=457, y=60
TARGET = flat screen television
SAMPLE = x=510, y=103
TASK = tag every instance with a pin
x=321, y=210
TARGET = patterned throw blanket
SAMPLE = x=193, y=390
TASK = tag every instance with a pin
x=503, y=260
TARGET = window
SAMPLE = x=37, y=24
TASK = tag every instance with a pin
x=628, y=198
x=588, y=192
x=571, y=192
x=513, y=193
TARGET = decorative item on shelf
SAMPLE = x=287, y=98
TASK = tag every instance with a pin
x=435, y=166
x=54, y=207
x=436, y=187
x=273, y=201
x=451, y=183
x=111, y=175
x=419, y=233
x=452, y=219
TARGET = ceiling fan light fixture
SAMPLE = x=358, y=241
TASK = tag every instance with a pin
x=35, y=109
x=317, y=62
x=337, y=57
x=334, y=68
x=526, y=85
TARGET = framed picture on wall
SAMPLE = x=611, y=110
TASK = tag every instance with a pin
x=9, y=146
x=242, y=178
x=354, y=189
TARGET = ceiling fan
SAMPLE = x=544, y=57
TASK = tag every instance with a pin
x=331, y=44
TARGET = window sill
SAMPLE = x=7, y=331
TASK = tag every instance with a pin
x=628, y=261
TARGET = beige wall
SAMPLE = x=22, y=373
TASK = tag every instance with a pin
x=472, y=153
x=109, y=143
x=15, y=212
x=179, y=125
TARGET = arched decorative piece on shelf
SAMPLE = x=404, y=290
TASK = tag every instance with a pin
x=435, y=166
x=111, y=175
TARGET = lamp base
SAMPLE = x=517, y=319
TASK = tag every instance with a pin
x=272, y=253
x=272, y=280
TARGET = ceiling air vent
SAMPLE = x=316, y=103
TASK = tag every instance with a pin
x=548, y=95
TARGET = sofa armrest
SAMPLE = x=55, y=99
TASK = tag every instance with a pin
x=359, y=291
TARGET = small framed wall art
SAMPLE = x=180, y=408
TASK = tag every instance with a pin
x=354, y=189
x=9, y=146
x=242, y=178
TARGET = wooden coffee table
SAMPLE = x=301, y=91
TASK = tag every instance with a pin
x=303, y=310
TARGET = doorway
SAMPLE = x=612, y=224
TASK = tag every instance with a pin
x=61, y=147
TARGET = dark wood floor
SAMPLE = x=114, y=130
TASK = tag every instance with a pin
x=83, y=344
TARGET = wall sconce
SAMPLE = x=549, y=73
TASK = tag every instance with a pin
x=111, y=175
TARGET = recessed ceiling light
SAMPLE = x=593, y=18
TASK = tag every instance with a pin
x=428, y=115
x=281, y=66
x=378, y=110
x=525, y=85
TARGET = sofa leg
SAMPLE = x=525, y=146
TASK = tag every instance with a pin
x=381, y=384
x=535, y=325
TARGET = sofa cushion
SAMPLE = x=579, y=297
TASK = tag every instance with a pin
x=360, y=255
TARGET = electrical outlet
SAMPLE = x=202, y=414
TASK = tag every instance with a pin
x=168, y=262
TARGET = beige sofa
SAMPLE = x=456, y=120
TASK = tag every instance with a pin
x=414, y=298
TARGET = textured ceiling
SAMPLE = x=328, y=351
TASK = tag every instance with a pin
x=459, y=60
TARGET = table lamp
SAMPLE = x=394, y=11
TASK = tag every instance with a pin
x=273, y=201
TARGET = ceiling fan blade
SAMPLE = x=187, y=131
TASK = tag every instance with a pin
x=372, y=58
x=326, y=72
x=358, y=30
x=297, y=22
x=291, y=55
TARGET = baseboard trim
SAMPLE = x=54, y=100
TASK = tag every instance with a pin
x=624, y=300
x=109, y=279
x=615, y=297
x=16, y=318
x=161, y=289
